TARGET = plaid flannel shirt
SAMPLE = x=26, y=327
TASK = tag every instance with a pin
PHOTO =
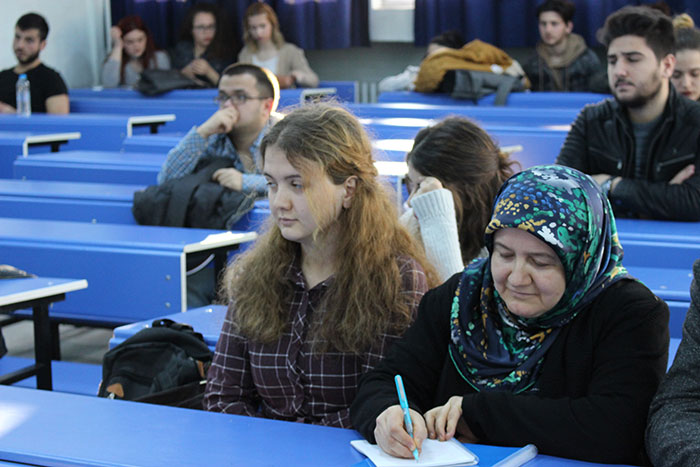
x=287, y=379
x=183, y=158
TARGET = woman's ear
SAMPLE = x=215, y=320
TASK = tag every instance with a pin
x=350, y=185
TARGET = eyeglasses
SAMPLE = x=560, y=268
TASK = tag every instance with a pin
x=237, y=98
x=202, y=28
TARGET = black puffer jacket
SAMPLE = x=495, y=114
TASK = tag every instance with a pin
x=601, y=141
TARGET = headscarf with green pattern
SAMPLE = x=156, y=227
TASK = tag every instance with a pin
x=494, y=349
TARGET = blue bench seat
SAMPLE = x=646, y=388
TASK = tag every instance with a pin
x=71, y=377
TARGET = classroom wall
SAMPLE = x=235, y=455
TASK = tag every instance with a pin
x=78, y=33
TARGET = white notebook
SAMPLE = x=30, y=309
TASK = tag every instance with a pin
x=433, y=453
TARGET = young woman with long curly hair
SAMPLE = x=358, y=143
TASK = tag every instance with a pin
x=327, y=289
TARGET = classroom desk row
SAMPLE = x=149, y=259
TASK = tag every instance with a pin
x=96, y=130
x=543, y=100
x=38, y=294
x=190, y=112
x=344, y=91
x=58, y=429
x=22, y=143
x=208, y=320
x=135, y=272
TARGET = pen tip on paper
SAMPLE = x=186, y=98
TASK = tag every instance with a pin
x=415, y=454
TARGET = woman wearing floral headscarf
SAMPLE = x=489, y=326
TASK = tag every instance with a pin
x=549, y=341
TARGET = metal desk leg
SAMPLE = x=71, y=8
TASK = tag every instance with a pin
x=42, y=346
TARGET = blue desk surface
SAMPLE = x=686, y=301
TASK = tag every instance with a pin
x=659, y=230
x=517, y=115
x=68, y=190
x=20, y=290
x=9, y=121
x=148, y=159
x=58, y=429
x=84, y=235
x=34, y=138
x=345, y=90
x=97, y=130
x=666, y=283
x=516, y=99
x=206, y=320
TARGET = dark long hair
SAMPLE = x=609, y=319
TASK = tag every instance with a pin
x=223, y=45
x=467, y=162
x=128, y=24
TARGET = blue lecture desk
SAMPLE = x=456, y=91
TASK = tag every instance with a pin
x=345, y=91
x=68, y=201
x=516, y=99
x=97, y=130
x=92, y=166
x=206, y=320
x=87, y=202
x=515, y=116
x=58, y=429
x=36, y=293
x=136, y=272
x=14, y=144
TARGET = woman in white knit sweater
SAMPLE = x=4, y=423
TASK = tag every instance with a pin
x=454, y=172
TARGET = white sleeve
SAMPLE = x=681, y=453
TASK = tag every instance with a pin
x=401, y=82
x=438, y=227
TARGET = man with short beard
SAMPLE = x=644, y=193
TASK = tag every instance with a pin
x=48, y=91
x=643, y=146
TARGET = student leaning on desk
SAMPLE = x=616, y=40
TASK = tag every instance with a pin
x=549, y=342
x=327, y=289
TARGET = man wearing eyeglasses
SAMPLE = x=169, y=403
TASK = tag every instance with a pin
x=247, y=97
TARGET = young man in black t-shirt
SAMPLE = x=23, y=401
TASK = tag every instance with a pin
x=48, y=91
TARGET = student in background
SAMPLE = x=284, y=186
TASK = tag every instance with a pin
x=265, y=46
x=248, y=95
x=404, y=80
x=48, y=91
x=133, y=51
x=562, y=61
x=686, y=73
x=642, y=147
x=548, y=341
x=454, y=172
x=323, y=294
x=674, y=423
x=206, y=46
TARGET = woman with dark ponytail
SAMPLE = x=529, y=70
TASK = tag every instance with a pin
x=454, y=172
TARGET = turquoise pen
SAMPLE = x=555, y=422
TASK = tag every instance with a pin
x=403, y=401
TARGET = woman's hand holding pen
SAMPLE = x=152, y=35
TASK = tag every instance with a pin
x=391, y=434
x=445, y=421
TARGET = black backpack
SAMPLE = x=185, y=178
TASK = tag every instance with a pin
x=164, y=364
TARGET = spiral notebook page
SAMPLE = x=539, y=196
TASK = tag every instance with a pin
x=433, y=453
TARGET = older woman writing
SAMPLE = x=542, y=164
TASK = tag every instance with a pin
x=550, y=341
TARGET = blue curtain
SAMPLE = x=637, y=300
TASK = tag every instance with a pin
x=310, y=24
x=512, y=23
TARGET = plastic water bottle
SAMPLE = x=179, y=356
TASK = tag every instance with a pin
x=24, y=99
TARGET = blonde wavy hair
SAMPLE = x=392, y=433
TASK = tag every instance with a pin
x=684, y=20
x=364, y=298
x=259, y=8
